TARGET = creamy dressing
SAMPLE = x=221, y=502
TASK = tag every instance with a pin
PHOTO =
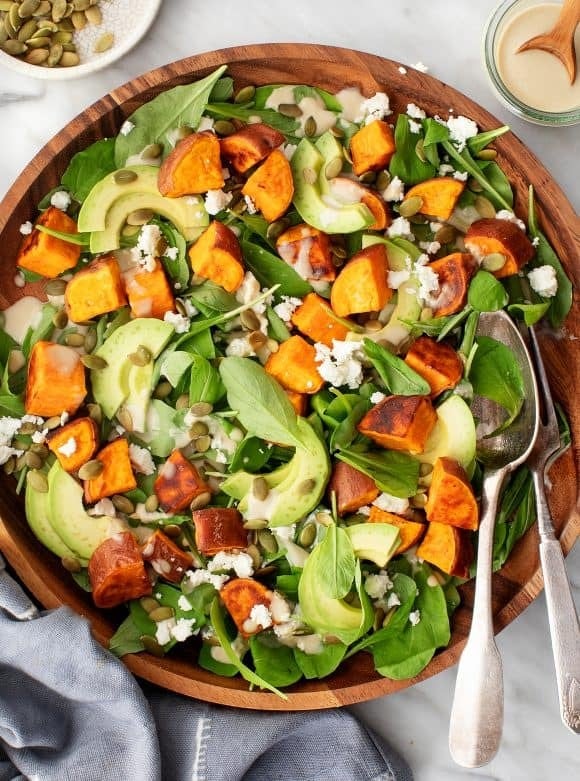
x=351, y=100
x=346, y=191
x=534, y=77
x=262, y=508
x=21, y=316
x=64, y=358
x=310, y=106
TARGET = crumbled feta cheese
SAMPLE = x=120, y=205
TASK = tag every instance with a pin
x=195, y=577
x=259, y=617
x=64, y=416
x=183, y=629
x=375, y=107
x=221, y=457
x=445, y=169
x=340, y=365
x=19, y=279
x=188, y=307
x=544, y=281
x=240, y=563
x=61, y=200
x=69, y=448
x=310, y=644
x=147, y=244
x=240, y=347
x=400, y=227
x=377, y=586
x=392, y=504
x=395, y=190
x=420, y=67
x=286, y=629
x=415, y=127
x=402, y=70
x=286, y=532
x=535, y=241
x=377, y=397
x=7, y=452
x=396, y=278
x=9, y=427
x=141, y=460
x=26, y=228
x=103, y=507
x=461, y=176
x=393, y=601
x=460, y=130
x=279, y=608
x=430, y=247
x=249, y=290
x=163, y=630
x=286, y=308
x=364, y=510
x=171, y=253
x=178, y=321
x=288, y=150
x=428, y=279
x=250, y=205
x=38, y=437
x=126, y=128
x=415, y=112
x=506, y=214
x=414, y=617
x=205, y=123
x=216, y=201
x=435, y=226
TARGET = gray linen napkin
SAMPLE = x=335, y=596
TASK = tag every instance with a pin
x=70, y=710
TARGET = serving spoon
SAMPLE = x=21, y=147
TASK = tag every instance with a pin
x=559, y=41
x=477, y=712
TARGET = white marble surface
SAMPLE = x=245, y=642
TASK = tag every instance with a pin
x=447, y=37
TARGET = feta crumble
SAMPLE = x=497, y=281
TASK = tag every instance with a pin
x=395, y=190
x=402, y=70
x=126, y=128
x=288, y=150
x=26, y=228
x=205, y=123
x=393, y=601
x=427, y=278
x=216, y=201
x=141, y=460
x=195, y=577
x=414, y=617
x=163, y=630
x=460, y=130
x=7, y=452
x=415, y=112
x=535, y=241
x=544, y=281
x=420, y=67
x=461, y=176
x=147, y=243
x=340, y=365
x=19, y=279
x=183, y=629
x=240, y=563
x=250, y=205
x=400, y=227
x=68, y=448
x=8, y=428
x=506, y=214
x=430, y=247
x=259, y=617
x=445, y=169
x=240, y=347
x=375, y=107
x=415, y=127
x=392, y=504
x=377, y=397
x=103, y=507
x=178, y=321
x=376, y=586
x=38, y=437
x=171, y=253
x=61, y=200
x=397, y=278
x=286, y=308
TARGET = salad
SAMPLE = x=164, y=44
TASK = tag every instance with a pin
x=242, y=415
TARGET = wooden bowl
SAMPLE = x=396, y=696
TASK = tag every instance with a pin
x=520, y=580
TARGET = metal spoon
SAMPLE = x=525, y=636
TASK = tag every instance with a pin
x=559, y=41
x=477, y=712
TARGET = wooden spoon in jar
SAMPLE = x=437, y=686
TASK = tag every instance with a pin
x=560, y=40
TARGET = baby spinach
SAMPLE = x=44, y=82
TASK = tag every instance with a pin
x=42, y=330
x=498, y=180
x=212, y=299
x=337, y=563
x=438, y=326
x=11, y=406
x=394, y=473
x=276, y=326
x=207, y=662
x=496, y=375
x=300, y=91
x=481, y=140
x=262, y=406
x=175, y=365
x=88, y=167
x=205, y=383
x=7, y=344
x=274, y=662
x=271, y=270
x=399, y=378
x=155, y=121
x=530, y=313
x=346, y=431
x=486, y=293
x=285, y=125
x=322, y=664
x=223, y=90
x=474, y=168
x=405, y=163
x=178, y=267
x=250, y=455
x=127, y=639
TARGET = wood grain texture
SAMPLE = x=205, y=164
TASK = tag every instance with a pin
x=520, y=580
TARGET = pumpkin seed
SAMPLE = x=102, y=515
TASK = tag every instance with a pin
x=484, y=206
x=474, y=185
x=162, y=390
x=339, y=250
x=200, y=501
x=40, y=449
x=54, y=55
x=254, y=553
x=201, y=408
x=123, y=504
x=152, y=152
x=70, y=564
x=58, y=10
x=223, y=127
x=425, y=469
x=27, y=428
x=3, y=33
x=20, y=462
x=125, y=419
x=161, y=613
x=151, y=503
x=420, y=150
x=203, y=444
x=182, y=401
x=55, y=287
x=260, y=488
x=75, y=339
x=487, y=154
x=446, y=234
x=276, y=229
x=309, y=175
x=379, y=618
x=245, y=95
x=418, y=219
x=38, y=481
x=141, y=357
x=44, y=8
x=14, y=47
x=81, y=5
x=91, y=340
x=148, y=604
x=27, y=30
x=324, y=519
x=94, y=362
x=267, y=540
x=94, y=15
x=347, y=155
x=9, y=31
x=372, y=326
x=337, y=132
x=79, y=20
x=10, y=465
x=249, y=320
x=389, y=614
x=183, y=132
x=199, y=429
x=15, y=18
x=60, y=317
x=306, y=487
x=95, y=412
x=91, y=469
x=333, y=168
x=307, y=535
x=419, y=500
x=494, y=261
x=51, y=423
x=290, y=110
x=130, y=230
x=310, y=127
x=383, y=180
x=6, y=5
x=140, y=217
x=33, y=460
x=257, y=340
x=255, y=524
x=151, y=645
x=368, y=178
x=124, y=176
x=104, y=43
x=411, y=206
x=46, y=27
x=172, y=530
x=62, y=37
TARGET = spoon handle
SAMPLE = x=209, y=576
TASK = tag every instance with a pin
x=477, y=712
x=568, y=20
x=564, y=627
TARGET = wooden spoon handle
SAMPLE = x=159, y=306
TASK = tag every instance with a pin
x=567, y=22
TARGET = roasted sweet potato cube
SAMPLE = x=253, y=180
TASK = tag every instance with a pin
x=117, y=572
x=309, y=251
x=454, y=273
x=448, y=548
x=349, y=191
x=314, y=318
x=439, y=196
x=95, y=290
x=194, y=166
x=248, y=147
x=436, y=362
x=299, y=401
x=451, y=499
x=117, y=475
x=362, y=285
x=75, y=443
x=372, y=147
x=46, y=255
x=491, y=236
x=271, y=186
x=410, y=532
x=55, y=381
x=400, y=423
x=352, y=488
x=295, y=367
x=178, y=483
x=217, y=255
x=167, y=559
x=149, y=292
x=239, y=597
x=219, y=529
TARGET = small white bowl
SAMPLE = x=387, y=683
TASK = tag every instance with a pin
x=148, y=10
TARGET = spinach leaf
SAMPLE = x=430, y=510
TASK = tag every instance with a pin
x=223, y=90
x=438, y=326
x=175, y=365
x=212, y=299
x=127, y=639
x=530, y=313
x=177, y=268
x=271, y=270
x=7, y=344
x=322, y=664
x=262, y=406
x=346, y=431
x=41, y=331
x=276, y=326
x=274, y=662
x=474, y=169
x=498, y=180
x=268, y=116
x=399, y=378
x=80, y=239
x=171, y=109
x=405, y=163
x=394, y=473
x=205, y=383
x=496, y=375
x=486, y=293
x=517, y=513
x=561, y=303
x=88, y=167
x=337, y=563
x=255, y=224
x=468, y=347
x=82, y=580
x=434, y=131
x=481, y=140
x=11, y=406
x=207, y=662
x=300, y=91
x=250, y=455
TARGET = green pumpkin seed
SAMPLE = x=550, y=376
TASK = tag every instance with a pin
x=309, y=175
x=183, y=132
x=94, y=15
x=347, y=155
x=20, y=461
x=267, y=540
x=203, y=444
x=420, y=150
x=256, y=524
x=411, y=206
x=125, y=419
x=148, y=604
x=368, y=178
x=245, y=95
x=15, y=18
x=91, y=469
x=277, y=228
x=70, y=564
x=91, y=340
x=94, y=362
x=151, y=503
x=151, y=645
x=200, y=501
x=199, y=429
x=250, y=320
x=123, y=504
x=58, y=10
x=81, y=5
x=162, y=390
x=372, y=326
x=55, y=54
x=419, y=500
x=388, y=616
x=79, y=20
x=474, y=185
x=40, y=449
x=307, y=535
x=46, y=28
x=182, y=401
x=494, y=261
x=324, y=519
x=290, y=110
x=27, y=30
x=484, y=206
x=124, y=176
x=223, y=127
x=36, y=56
x=306, y=487
x=201, y=408
x=52, y=423
x=60, y=317
x=379, y=618
x=95, y=412
x=254, y=553
x=310, y=127
x=69, y=10
x=265, y=572
x=172, y=530
x=383, y=180
x=44, y=8
x=337, y=132
x=9, y=466
x=257, y=340
x=38, y=481
x=140, y=217
x=75, y=340
x=333, y=168
x=487, y=154
x=62, y=37
x=55, y=287
x=13, y=47
x=152, y=152
x=70, y=58
x=130, y=230
x=425, y=469
x=27, y=428
x=6, y=5
x=3, y=33
x=446, y=234
x=9, y=31
x=33, y=460
x=141, y=357
x=260, y=488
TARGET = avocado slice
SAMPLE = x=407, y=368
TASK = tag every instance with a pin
x=453, y=435
x=81, y=532
x=376, y=542
x=315, y=207
x=113, y=384
x=37, y=508
x=286, y=503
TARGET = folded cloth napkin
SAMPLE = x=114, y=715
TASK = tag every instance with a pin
x=71, y=710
